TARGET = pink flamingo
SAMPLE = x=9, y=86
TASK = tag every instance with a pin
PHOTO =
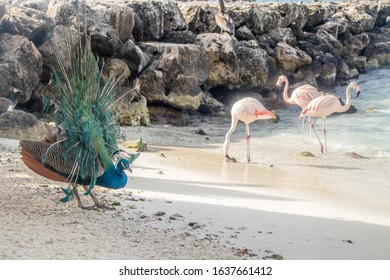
x=301, y=96
x=324, y=105
x=246, y=110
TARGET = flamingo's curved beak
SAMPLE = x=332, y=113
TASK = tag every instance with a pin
x=280, y=87
x=357, y=93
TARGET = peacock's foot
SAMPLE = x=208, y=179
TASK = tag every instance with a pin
x=96, y=206
x=230, y=159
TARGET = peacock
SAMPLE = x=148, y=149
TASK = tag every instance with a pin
x=82, y=149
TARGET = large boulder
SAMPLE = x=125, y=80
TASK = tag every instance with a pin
x=290, y=58
x=328, y=72
x=353, y=45
x=154, y=18
x=336, y=25
x=336, y=47
x=383, y=14
x=17, y=119
x=253, y=66
x=58, y=44
x=318, y=14
x=280, y=15
x=133, y=110
x=21, y=125
x=221, y=50
x=20, y=66
x=135, y=58
x=118, y=15
x=175, y=76
x=379, y=48
x=105, y=40
x=115, y=67
x=30, y=23
x=361, y=17
x=40, y=5
x=199, y=16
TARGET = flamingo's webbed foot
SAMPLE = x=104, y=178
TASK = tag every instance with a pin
x=230, y=159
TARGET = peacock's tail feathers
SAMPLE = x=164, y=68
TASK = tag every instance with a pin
x=85, y=111
x=83, y=148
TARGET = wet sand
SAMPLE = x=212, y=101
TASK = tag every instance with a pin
x=184, y=201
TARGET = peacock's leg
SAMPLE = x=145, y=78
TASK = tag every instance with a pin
x=76, y=194
x=98, y=204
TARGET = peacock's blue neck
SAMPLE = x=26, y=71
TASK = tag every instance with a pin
x=113, y=178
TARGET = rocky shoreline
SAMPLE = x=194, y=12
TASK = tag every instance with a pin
x=174, y=50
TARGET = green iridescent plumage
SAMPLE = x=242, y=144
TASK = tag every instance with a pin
x=84, y=148
x=85, y=113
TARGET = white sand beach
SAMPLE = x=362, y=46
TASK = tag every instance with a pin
x=184, y=201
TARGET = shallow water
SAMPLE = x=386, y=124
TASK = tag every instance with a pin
x=291, y=1
x=367, y=131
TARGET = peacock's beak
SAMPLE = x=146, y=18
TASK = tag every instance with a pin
x=129, y=168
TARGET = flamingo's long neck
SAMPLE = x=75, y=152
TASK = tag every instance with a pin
x=226, y=144
x=285, y=93
x=348, y=100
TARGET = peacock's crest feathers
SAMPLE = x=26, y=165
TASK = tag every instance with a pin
x=121, y=154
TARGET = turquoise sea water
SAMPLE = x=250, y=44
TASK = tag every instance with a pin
x=290, y=1
x=367, y=131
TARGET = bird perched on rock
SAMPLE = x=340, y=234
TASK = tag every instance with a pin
x=8, y=104
x=82, y=149
x=224, y=20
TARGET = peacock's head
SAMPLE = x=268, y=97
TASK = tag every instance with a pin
x=124, y=159
x=123, y=164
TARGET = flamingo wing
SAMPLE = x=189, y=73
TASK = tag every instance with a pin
x=321, y=106
x=304, y=94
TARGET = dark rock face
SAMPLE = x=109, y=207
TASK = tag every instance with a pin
x=3, y=10
x=154, y=18
x=221, y=51
x=20, y=66
x=105, y=40
x=175, y=75
x=17, y=119
x=175, y=50
x=291, y=58
x=30, y=23
x=58, y=41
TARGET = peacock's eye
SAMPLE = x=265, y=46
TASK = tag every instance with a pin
x=124, y=165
